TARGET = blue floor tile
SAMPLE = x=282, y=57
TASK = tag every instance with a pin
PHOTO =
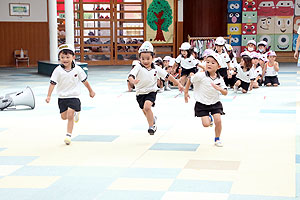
x=2, y=149
x=278, y=111
x=74, y=188
x=201, y=186
x=16, y=160
x=130, y=195
x=42, y=171
x=108, y=172
x=287, y=72
x=174, y=147
x=21, y=75
x=17, y=194
x=88, y=108
x=95, y=138
x=2, y=129
x=170, y=173
x=298, y=158
x=254, y=197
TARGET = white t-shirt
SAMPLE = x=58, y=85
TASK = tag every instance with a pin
x=204, y=92
x=148, y=78
x=224, y=59
x=68, y=82
x=245, y=76
x=187, y=63
x=257, y=71
x=270, y=71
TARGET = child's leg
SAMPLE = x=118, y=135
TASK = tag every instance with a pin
x=205, y=121
x=255, y=84
x=275, y=84
x=148, y=112
x=182, y=80
x=63, y=115
x=70, y=117
x=218, y=124
x=244, y=91
x=237, y=83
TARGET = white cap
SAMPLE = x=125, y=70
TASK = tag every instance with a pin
x=228, y=47
x=207, y=52
x=146, y=47
x=196, y=50
x=254, y=55
x=251, y=42
x=167, y=58
x=157, y=59
x=262, y=43
x=271, y=53
x=245, y=53
x=263, y=58
x=66, y=46
x=185, y=46
x=220, y=41
x=216, y=56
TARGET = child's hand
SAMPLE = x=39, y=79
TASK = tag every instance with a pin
x=186, y=97
x=92, y=94
x=48, y=99
x=216, y=86
x=180, y=87
x=136, y=81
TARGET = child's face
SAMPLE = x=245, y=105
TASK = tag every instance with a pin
x=146, y=59
x=261, y=48
x=184, y=53
x=272, y=58
x=166, y=63
x=261, y=62
x=211, y=65
x=255, y=61
x=242, y=63
x=66, y=60
x=219, y=48
x=251, y=47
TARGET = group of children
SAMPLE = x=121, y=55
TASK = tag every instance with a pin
x=210, y=77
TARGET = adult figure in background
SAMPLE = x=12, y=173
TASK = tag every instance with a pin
x=297, y=45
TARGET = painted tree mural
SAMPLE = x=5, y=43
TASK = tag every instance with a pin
x=159, y=18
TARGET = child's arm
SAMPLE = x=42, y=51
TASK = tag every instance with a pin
x=201, y=66
x=50, y=90
x=251, y=85
x=132, y=80
x=87, y=85
x=186, y=90
x=223, y=91
x=174, y=67
x=276, y=66
x=176, y=82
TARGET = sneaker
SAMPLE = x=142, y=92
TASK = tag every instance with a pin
x=68, y=139
x=154, y=120
x=76, y=117
x=167, y=88
x=235, y=89
x=211, y=120
x=152, y=130
x=218, y=143
x=160, y=90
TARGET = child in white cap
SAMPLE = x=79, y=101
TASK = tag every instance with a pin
x=187, y=62
x=68, y=76
x=225, y=60
x=207, y=88
x=251, y=46
x=271, y=69
x=144, y=76
x=257, y=70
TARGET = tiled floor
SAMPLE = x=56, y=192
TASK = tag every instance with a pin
x=112, y=157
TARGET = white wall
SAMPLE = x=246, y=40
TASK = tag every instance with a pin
x=180, y=10
x=38, y=11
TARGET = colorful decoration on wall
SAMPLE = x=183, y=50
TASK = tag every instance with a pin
x=160, y=21
x=234, y=17
x=234, y=6
x=246, y=38
x=249, y=5
x=297, y=7
x=296, y=24
x=266, y=8
x=283, y=42
x=285, y=8
x=249, y=17
x=266, y=25
x=267, y=38
x=236, y=40
x=234, y=29
x=283, y=25
x=249, y=29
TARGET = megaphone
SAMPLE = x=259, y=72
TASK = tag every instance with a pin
x=24, y=98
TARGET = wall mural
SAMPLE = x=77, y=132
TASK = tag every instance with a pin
x=160, y=21
x=274, y=21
